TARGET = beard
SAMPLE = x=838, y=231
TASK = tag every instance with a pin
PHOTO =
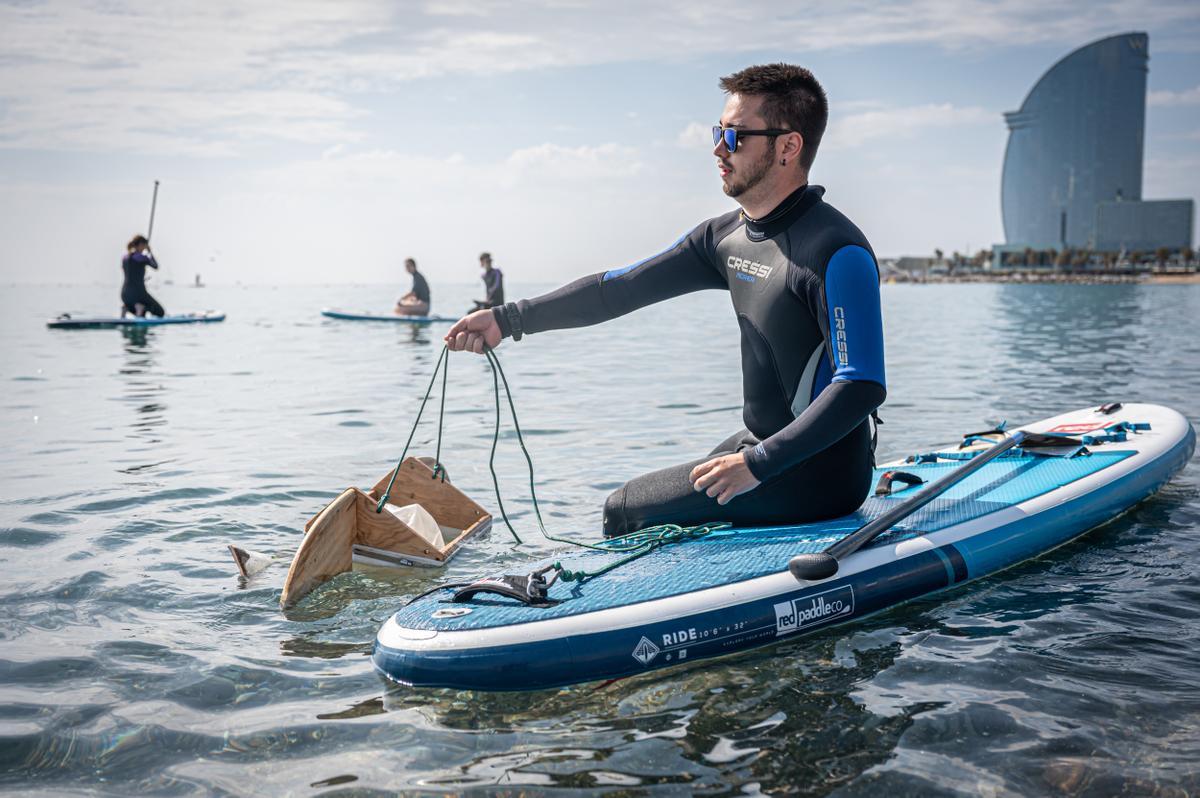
x=751, y=175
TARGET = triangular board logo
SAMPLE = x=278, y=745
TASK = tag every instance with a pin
x=645, y=651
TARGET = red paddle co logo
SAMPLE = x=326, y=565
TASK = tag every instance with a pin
x=829, y=605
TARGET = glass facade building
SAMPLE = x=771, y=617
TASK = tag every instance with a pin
x=1073, y=167
x=1077, y=141
x=1144, y=226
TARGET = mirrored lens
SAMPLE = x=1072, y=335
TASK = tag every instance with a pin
x=727, y=133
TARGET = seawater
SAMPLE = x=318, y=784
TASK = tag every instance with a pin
x=135, y=661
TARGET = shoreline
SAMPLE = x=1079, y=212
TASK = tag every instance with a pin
x=1190, y=278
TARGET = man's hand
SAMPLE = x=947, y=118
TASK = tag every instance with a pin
x=473, y=332
x=724, y=477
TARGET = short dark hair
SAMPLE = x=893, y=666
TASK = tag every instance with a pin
x=410, y=260
x=792, y=99
x=485, y=256
x=136, y=242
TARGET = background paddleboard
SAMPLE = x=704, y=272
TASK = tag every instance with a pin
x=79, y=322
x=731, y=590
x=346, y=315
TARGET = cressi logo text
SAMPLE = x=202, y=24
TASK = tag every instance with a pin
x=839, y=335
x=749, y=270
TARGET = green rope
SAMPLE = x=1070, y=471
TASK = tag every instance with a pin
x=438, y=469
x=634, y=545
x=649, y=539
x=492, y=456
x=388, y=490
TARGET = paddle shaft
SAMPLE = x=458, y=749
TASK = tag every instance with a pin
x=153, y=205
x=868, y=532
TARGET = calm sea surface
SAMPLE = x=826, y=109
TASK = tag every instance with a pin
x=133, y=660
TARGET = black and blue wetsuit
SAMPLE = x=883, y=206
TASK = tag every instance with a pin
x=805, y=290
x=133, y=291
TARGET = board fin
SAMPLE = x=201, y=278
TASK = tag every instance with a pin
x=248, y=562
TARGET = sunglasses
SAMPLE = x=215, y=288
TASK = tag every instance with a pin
x=732, y=134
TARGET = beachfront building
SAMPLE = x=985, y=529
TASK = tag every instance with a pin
x=1072, y=176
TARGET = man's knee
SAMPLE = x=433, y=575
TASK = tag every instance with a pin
x=614, y=513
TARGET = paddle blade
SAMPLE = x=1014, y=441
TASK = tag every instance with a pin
x=812, y=567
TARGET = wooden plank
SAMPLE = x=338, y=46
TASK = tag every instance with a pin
x=350, y=519
x=386, y=531
x=415, y=484
x=325, y=551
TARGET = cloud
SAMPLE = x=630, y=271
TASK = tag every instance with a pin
x=142, y=77
x=695, y=135
x=136, y=74
x=859, y=128
x=337, y=169
x=574, y=163
x=1165, y=97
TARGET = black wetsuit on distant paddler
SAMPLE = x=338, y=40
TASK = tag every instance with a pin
x=133, y=291
x=805, y=290
x=420, y=287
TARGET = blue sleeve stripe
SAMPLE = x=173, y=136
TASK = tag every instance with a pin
x=613, y=273
x=855, y=320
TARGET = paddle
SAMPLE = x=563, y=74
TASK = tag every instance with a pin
x=824, y=564
x=150, y=227
x=153, y=204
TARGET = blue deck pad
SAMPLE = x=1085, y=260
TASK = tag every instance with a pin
x=736, y=555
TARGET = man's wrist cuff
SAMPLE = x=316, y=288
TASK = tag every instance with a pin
x=514, y=321
x=501, y=321
x=508, y=318
x=755, y=457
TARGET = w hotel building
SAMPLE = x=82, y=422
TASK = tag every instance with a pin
x=1073, y=168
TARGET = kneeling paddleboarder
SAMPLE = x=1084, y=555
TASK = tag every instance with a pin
x=135, y=298
x=805, y=291
x=417, y=301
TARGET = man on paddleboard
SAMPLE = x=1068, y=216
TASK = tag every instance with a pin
x=416, y=301
x=805, y=291
x=493, y=283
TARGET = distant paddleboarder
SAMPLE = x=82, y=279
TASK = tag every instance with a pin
x=493, y=281
x=417, y=301
x=135, y=298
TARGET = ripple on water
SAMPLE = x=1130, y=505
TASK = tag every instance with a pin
x=25, y=537
x=135, y=661
x=125, y=502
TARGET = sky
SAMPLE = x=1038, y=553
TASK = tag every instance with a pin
x=299, y=141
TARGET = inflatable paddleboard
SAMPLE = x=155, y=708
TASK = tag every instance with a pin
x=365, y=316
x=731, y=589
x=67, y=321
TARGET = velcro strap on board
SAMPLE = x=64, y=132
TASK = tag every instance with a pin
x=1053, y=444
x=988, y=436
x=885, y=486
x=529, y=590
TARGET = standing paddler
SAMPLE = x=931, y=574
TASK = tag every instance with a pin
x=805, y=289
x=493, y=284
